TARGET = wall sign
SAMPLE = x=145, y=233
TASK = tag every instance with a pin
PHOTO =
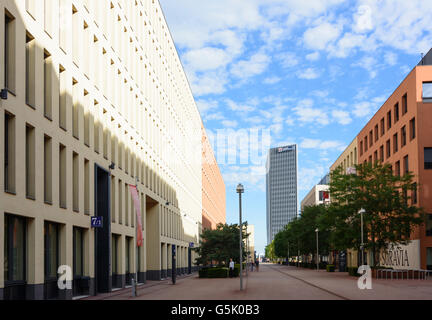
x=96, y=222
x=402, y=256
x=285, y=149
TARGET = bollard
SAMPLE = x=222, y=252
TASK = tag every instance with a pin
x=134, y=288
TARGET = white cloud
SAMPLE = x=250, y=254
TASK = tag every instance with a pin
x=322, y=144
x=256, y=65
x=206, y=59
x=230, y=123
x=313, y=56
x=342, y=117
x=287, y=59
x=308, y=74
x=307, y=114
x=320, y=36
x=391, y=58
x=272, y=80
x=370, y=64
x=239, y=107
x=206, y=105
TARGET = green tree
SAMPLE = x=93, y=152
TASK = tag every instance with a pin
x=390, y=217
x=220, y=245
x=270, y=251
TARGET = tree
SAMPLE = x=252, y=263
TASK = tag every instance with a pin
x=220, y=245
x=390, y=217
x=270, y=251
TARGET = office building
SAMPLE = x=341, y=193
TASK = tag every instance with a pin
x=281, y=184
x=318, y=195
x=97, y=101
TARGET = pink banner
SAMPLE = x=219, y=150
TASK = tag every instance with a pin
x=135, y=197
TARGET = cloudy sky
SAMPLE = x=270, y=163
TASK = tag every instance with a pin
x=309, y=72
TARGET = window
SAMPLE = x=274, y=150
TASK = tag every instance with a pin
x=9, y=153
x=412, y=129
x=375, y=156
x=403, y=136
x=389, y=120
x=51, y=232
x=366, y=143
x=397, y=169
x=404, y=104
x=361, y=153
x=428, y=158
x=78, y=252
x=414, y=193
x=370, y=139
x=62, y=98
x=376, y=133
x=86, y=187
x=62, y=176
x=427, y=91
x=382, y=127
x=14, y=249
x=114, y=254
x=48, y=79
x=30, y=70
x=388, y=150
x=75, y=178
x=48, y=170
x=382, y=153
x=395, y=143
x=429, y=225
x=10, y=54
x=30, y=162
x=396, y=112
x=406, y=165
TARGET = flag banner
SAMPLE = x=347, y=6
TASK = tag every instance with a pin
x=135, y=197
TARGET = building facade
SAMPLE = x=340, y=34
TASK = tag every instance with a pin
x=214, y=192
x=97, y=101
x=400, y=134
x=316, y=196
x=281, y=185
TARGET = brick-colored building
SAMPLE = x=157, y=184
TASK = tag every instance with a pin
x=400, y=133
x=213, y=188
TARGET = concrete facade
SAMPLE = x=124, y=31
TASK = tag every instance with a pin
x=281, y=183
x=315, y=196
x=98, y=100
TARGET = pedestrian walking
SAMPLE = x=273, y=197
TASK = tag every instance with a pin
x=231, y=268
x=257, y=265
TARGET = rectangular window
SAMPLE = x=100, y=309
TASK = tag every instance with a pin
x=113, y=193
x=9, y=153
x=126, y=194
x=406, y=165
x=412, y=129
x=389, y=120
x=414, y=193
x=51, y=234
x=396, y=112
x=14, y=249
x=30, y=162
x=48, y=170
x=429, y=226
x=86, y=187
x=10, y=53
x=75, y=179
x=78, y=252
x=48, y=84
x=114, y=254
x=62, y=98
x=375, y=156
x=382, y=153
x=366, y=143
x=428, y=158
x=404, y=104
x=397, y=169
x=388, y=150
x=75, y=108
x=376, y=133
x=30, y=70
x=403, y=136
x=361, y=153
x=370, y=139
x=427, y=91
x=382, y=127
x=120, y=200
x=127, y=255
x=395, y=143
x=62, y=177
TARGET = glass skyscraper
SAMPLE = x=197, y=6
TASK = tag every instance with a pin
x=281, y=181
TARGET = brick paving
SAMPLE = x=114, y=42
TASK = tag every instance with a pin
x=276, y=282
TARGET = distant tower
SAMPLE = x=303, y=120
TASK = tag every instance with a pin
x=282, y=204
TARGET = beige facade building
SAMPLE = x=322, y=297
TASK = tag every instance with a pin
x=97, y=101
x=316, y=196
x=348, y=158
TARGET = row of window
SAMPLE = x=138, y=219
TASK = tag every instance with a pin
x=396, y=140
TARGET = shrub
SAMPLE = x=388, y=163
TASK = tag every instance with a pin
x=217, y=273
x=203, y=272
x=352, y=271
x=330, y=268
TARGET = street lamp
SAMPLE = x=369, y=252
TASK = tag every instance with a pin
x=361, y=212
x=317, y=230
x=240, y=190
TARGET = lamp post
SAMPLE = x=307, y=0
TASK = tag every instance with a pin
x=362, y=211
x=240, y=190
x=317, y=230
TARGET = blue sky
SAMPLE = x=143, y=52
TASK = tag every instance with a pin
x=309, y=72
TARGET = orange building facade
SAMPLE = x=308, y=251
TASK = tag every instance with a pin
x=400, y=134
x=213, y=193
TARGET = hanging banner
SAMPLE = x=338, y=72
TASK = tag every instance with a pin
x=135, y=197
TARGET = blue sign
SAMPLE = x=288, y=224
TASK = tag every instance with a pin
x=191, y=245
x=96, y=222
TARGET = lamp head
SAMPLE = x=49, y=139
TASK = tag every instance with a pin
x=240, y=188
x=362, y=211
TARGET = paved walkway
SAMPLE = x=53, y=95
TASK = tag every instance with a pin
x=276, y=282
